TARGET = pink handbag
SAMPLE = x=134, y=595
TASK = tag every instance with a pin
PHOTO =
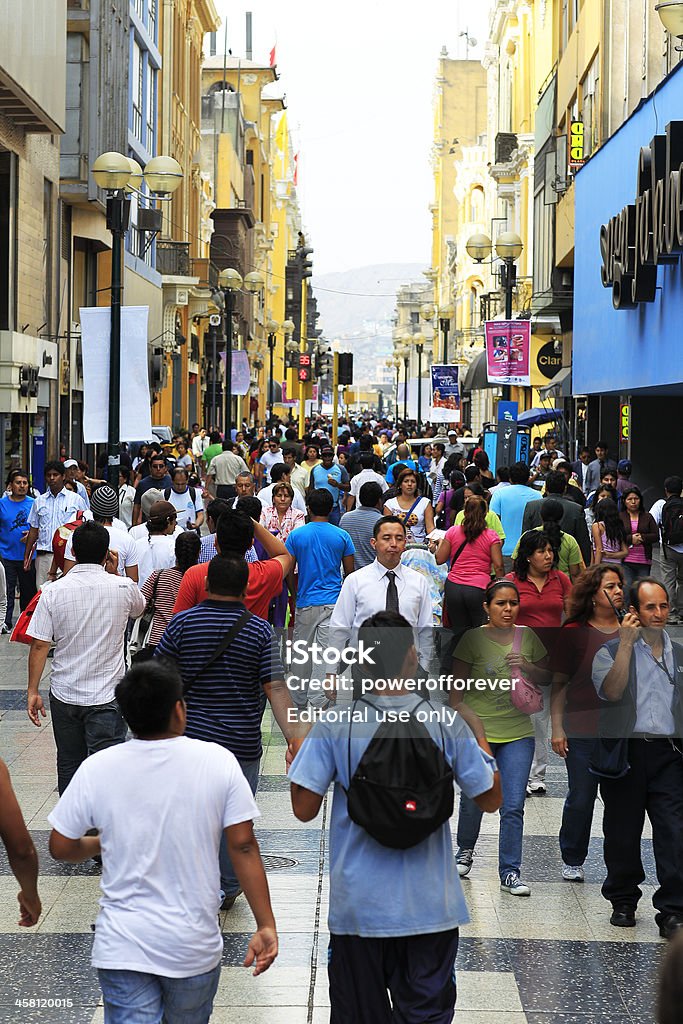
x=525, y=695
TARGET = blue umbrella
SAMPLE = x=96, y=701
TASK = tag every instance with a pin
x=533, y=417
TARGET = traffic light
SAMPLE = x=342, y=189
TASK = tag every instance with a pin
x=323, y=362
x=306, y=264
x=345, y=368
x=304, y=367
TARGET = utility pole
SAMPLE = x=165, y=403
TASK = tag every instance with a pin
x=335, y=397
x=303, y=347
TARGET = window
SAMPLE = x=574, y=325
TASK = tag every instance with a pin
x=151, y=108
x=152, y=19
x=505, y=99
x=477, y=205
x=543, y=255
x=48, y=255
x=137, y=84
x=589, y=106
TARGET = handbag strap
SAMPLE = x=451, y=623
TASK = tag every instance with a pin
x=223, y=645
x=458, y=553
x=517, y=640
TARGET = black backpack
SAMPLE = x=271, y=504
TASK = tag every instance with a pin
x=402, y=789
x=672, y=521
x=193, y=493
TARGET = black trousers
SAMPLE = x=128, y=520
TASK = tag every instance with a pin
x=226, y=491
x=14, y=573
x=417, y=971
x=653, y=786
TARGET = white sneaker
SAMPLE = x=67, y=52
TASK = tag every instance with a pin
x=536, y=787
x=4, y=629
x=573, y=873
x=463, y=862
x=514, y=885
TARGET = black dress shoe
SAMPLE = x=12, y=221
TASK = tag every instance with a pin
x=669, y=926
x=623, y=917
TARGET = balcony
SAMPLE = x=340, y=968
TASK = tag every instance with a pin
x=206, y=272
x=173, y=259
x=505, y=145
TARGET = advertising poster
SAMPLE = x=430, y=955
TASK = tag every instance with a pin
x=508, y=344
x=445, y=398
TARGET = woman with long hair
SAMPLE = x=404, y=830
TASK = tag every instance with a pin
x=543, y=592
x=414, y=511
x=575, y=706
x=471, y=549
x=491, y=653
x=608, y=534
x=445, y=507
x=641, y=533
x=568, y=558
x=492, y=520
x=603, y=491
x=161, y=586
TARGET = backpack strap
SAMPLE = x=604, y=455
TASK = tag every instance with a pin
x=223, y=645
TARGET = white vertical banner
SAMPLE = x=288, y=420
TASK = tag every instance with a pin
x=134, y=403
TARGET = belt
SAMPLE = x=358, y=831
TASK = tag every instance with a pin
x=43, y=551
x=649, y=736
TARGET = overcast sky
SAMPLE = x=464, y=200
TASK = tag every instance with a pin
x=358, y=79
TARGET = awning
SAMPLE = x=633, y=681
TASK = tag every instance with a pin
x=476, y=378
x=559, y=387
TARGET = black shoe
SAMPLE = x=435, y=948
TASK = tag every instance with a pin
x=229, y=901
x=669, y=926
x=623, y=917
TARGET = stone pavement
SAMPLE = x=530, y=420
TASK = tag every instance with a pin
x=550, y=959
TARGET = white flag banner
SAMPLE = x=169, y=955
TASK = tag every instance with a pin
x=135, y=408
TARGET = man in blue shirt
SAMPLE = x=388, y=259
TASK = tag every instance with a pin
x=509, y=503
x=14, y=512
x=334, y=479
x=403, y=460
x=320, y=549
x=394, y=914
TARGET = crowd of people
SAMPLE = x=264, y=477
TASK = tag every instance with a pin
x=526, y=608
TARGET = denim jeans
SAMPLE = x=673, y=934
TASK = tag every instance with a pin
x=577, y=813
x=14, y=572
x=514, y=762
x=81, y=731
x=229, y=883
x=336, y=514
x=131, y=997
x=633, y=571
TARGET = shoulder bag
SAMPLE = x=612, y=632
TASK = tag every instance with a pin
x=525, y=695
x=142, y=627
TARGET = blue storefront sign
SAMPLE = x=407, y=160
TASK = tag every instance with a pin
x=628, y=281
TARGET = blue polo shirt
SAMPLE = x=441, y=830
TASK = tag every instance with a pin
x=509, y=503
x=319, y=549
x=375, y=891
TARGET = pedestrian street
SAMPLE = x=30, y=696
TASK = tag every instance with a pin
x=550, y=959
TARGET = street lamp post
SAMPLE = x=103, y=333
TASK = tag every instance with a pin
x=230, y=282
x=446, y=314
x=508, y=249
x=405, y=351
x=119, y=176
x=418, y=340
x=272, y=328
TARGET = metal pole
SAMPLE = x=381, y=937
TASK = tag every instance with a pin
x=303, y=347
x=405, y=392
x=419, y=388
x=271, y=393
x=229, y=309
x=118, y=207
x=335, y=397
x=214, y=384
x=445, y=324
x=509, y=264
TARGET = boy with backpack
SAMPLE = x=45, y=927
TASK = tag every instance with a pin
x=396, y=903
x=668, y=514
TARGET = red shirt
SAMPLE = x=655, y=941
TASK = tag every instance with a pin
x=542, y=609
x=573, y=651
x=265, y=583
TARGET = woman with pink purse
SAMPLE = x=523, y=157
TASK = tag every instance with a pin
x=501, y=664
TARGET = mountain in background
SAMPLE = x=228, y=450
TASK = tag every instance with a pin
x=357, y=307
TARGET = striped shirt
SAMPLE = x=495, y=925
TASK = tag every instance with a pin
x=208, y=550
x=167, y=586
x=50, y=511
x=225, y=702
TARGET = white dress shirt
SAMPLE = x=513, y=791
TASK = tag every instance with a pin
x=366, y=476
x=86, y=612
x=364, y=593
x=50, y=511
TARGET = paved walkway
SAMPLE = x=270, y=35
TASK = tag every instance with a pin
x=550, y=959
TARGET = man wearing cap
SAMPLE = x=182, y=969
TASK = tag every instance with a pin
x=86, y=612
x=550, y=442
x=624, y=470
x=539, y=475
x=155, y=548
x=71, y=467
x=331, y=477
x=104, y=505
x=454, y=447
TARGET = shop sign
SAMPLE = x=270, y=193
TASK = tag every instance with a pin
x=576, y=146
x=624, y=422
x=548, y=361
x=648, y=232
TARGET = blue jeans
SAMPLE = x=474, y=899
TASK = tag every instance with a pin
x=514, y=762
x=336, y=514
x=577, y=813
x=633, y=571
x=229, y=883
x=131, y=997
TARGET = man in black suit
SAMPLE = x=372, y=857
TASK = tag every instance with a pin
x=597, y=467
x=580, y=467
x=573, y=520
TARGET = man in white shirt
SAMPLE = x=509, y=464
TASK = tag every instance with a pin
x=271, y=456
x=71, y=467
x=298, y=476
x=86, y=613
x=158, y=943
x=366, y=475
x=104, y=505
x=48, y=512
x=186, y=500
x=384, y=585
x=200, y=443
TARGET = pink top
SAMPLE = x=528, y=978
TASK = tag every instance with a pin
x=636, y=553
x=473, y=567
